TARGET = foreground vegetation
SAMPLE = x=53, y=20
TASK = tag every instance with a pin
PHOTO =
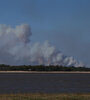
x=41, y=96
x=41, y=68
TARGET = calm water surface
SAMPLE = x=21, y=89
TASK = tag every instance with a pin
x=47, y=83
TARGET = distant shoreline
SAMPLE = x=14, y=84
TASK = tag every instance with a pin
x=45, y=72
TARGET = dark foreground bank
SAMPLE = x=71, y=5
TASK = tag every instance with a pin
x=41, y=96
x=44, y=83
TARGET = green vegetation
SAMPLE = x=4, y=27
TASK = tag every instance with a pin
x=41, y=68
x=41, y=96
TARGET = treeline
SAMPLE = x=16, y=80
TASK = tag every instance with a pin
x=41, y=68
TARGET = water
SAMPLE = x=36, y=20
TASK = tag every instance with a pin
x=44, y=82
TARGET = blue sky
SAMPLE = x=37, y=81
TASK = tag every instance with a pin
x=64, y=23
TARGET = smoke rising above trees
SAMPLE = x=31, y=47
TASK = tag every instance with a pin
x=16, y=49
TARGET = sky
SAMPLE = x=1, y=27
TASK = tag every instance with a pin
x=64, y=23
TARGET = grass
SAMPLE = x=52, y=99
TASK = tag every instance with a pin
x=43, y=96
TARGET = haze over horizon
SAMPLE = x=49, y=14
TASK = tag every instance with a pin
x=65, y=24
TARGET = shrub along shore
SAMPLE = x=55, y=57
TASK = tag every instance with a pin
x=41, y=68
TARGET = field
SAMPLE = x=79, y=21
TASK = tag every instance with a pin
x=43, y=96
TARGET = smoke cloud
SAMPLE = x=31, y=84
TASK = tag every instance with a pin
x=16, y=49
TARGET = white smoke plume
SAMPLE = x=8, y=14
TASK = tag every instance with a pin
x=16, y=49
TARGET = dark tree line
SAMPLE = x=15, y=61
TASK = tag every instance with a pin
x=41, y=68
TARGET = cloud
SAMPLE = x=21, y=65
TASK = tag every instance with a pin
x=16, y=49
